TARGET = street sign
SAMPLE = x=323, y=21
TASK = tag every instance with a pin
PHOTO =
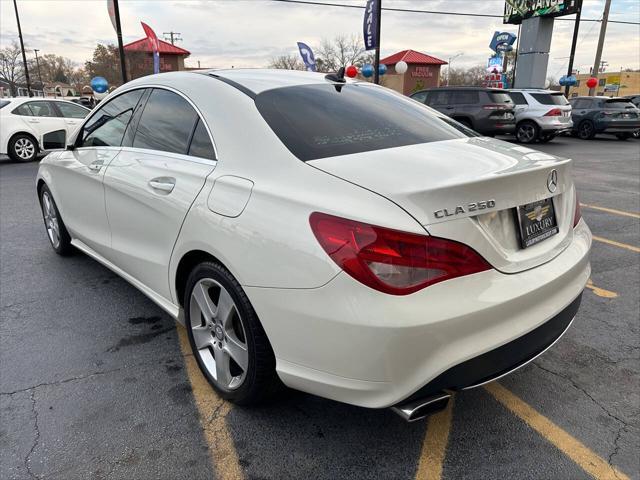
x=517, y=10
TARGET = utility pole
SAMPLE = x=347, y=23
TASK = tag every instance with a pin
x=123, y=66
x=574, y=42
x=603, y=31
x=376, y=72
x=174, y=36
x=451, y=59
x=38, y=65
x=24, y=56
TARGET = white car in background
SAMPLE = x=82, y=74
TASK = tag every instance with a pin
x=24, y=121
x=541, y=115
x=325, y=233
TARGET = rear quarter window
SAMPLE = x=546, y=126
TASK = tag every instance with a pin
x=618, y=104
x=4, y=103
x=550, y=98
x=325, y=120
x=518, y=98
x=499, y=97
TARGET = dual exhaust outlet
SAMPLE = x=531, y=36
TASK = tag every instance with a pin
x=422, y=407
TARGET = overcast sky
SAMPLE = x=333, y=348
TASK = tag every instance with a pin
x=247, y=33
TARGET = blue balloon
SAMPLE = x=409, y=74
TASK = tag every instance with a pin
x=382, y=69
x=99, y=84
x=367, y=70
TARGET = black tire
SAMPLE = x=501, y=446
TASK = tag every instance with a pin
x=624, y=136
x=586, y=130
x=527, y=132
x=546, y=137
x=22, y=148
x=260, y=381
x=61, y=243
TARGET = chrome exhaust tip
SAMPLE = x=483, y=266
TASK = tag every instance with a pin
x=422, y=407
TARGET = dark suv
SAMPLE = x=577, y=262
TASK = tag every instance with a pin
x=489, y=111
x=617, y=116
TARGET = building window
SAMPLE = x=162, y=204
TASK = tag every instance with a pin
x=602, y=82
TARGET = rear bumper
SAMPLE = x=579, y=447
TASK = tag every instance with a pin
x=553, y=125
x=349, y=343
x=505, y=359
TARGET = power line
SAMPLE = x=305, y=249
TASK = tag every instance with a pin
x=433, y=12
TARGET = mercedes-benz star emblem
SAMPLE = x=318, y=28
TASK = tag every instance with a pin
x=552, y=180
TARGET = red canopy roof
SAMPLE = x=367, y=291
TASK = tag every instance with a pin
x=143, y=45
x=411, y=56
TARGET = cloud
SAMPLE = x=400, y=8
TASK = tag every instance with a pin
x=247, y=33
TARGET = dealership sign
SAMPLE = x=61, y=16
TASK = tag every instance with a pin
x=502, y=41
x=517, y=10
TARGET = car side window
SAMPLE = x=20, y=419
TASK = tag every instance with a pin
x=465, y=97
x=581, y=103
x=23, y=110
x=69, y=110
x=518, y=98
x=419, y=96
x=166, y=123
x=106, y=127
x=201, y=145
x=42, y=109
x=438, y=98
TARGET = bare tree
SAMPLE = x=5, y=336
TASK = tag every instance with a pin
x=11, y=68
x=473, y=76
x=287, y=62
x=342, y=51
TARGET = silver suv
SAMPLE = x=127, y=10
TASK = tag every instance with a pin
x=540, y=114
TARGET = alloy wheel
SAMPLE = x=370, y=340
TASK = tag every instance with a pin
x=219, y=334
x=24, y=148
x=586, y=131
x=51, y=220
x=526, y=133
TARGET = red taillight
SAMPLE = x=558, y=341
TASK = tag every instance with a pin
x=392, y=261
x=577, y=215
x=554, y=112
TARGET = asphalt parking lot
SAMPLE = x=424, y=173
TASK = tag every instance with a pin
x=96, y=383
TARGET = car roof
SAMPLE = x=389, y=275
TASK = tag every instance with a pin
x=251, y=80
x=536, y=90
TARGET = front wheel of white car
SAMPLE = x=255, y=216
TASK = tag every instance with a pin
x=227, y=338
x=56, y=230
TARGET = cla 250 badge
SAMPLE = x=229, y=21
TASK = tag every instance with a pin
x=472, y=207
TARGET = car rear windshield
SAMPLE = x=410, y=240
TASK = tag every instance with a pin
x=618, y=104
x=550, y=98
x=499, y=97
x=4, y=103
x=326, y=120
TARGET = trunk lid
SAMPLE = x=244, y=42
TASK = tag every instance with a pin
x=468, y=190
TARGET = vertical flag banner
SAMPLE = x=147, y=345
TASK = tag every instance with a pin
x=369, y=25
x=112, y=14
x=307, y=56
x=155, y=46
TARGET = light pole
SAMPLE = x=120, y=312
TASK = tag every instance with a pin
x=38, y=66
x=451, y=59
x=24, y=56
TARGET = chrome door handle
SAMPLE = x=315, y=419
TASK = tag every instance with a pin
x=164, y=184
x=95, y=166
x=33, y=120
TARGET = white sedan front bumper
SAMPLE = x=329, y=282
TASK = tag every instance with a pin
x=347, y=342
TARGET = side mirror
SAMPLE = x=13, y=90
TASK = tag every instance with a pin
x=56, y=140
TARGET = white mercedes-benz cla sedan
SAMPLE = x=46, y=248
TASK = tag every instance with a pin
x=325, y=234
